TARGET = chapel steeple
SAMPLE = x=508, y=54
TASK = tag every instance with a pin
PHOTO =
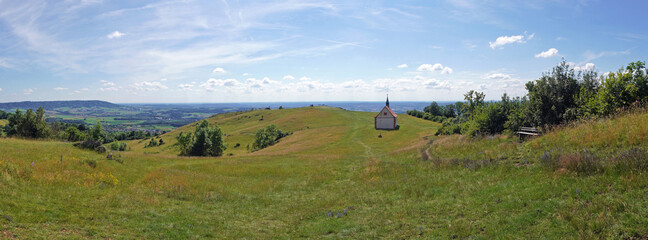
x=387, y=102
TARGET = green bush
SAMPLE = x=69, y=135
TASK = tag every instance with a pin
x=92, y=145
x=118, y=146
x=74, y=135
x=205, y=141
x=29, y=124
x=267, y=136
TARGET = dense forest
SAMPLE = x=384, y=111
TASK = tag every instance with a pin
x=560, y=96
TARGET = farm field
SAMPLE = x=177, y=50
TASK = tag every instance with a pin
x=333, y=178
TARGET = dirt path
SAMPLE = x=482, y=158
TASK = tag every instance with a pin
x=427, y=151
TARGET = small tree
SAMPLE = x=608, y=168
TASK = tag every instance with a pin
x=95, y=132
x=74, y=135
x=267, y=136
x=29, y=125
x=206, y=141
x=152, y=143
x=184, y=141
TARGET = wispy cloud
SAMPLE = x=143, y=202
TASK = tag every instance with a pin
x=402, y=66
x=115, y=34
x=60, y=89
x=149, y=86
x=589, y=55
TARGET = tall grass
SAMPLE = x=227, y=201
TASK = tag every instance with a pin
x=484, y=190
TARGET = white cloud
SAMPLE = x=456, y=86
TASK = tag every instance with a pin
x=219, y=70
x=5, y=63
x=245, y=74
x=356, y=84
x=434, y=68
x=498, y=76
x=60, y=89
x=402, y=66
x=435, y=84
x=586, y=67
x=28, y=91
x=213, y=84
x=504, y=40
x=149, y=86
x=552, y=52
x=304, y=78
x=430, y=67
x=0, y=89
x=185, y=86
x=108, y=89
x=163, y=80
x=107, y=83
x=288, y=77
x=115, y=34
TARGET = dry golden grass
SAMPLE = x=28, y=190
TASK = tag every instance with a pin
x=599, y=135
x=288, y=190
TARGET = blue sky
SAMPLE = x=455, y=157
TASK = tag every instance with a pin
x=250, y=51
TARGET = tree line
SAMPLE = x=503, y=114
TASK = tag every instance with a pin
x=32, y=124
x=557, y=97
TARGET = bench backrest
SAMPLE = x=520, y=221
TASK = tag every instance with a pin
x=529, y=129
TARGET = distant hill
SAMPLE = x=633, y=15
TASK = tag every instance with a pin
x=49, y=105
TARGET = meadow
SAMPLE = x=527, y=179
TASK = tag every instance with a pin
x=334, y=178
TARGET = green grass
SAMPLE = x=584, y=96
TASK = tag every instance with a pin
x=334, y=160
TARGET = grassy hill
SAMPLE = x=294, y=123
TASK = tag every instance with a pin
x=332, y=178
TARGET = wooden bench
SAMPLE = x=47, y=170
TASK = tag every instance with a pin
x=528, y=131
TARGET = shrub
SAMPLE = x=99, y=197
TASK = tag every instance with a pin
x=90, y=162
x=583, y=162
x=152, y=143
x=92, y=145
x=205, y=141
x=267, y=136
x=74, y=135
x=29, y=124
x=101, y=179
x=118, y=146
x=631, y=160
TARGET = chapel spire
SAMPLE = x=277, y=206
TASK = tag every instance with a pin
x=387, y=102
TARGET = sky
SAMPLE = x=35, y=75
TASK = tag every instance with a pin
x=281, y=51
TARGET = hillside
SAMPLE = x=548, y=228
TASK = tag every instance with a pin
x=50, y=105
x=332, y=178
